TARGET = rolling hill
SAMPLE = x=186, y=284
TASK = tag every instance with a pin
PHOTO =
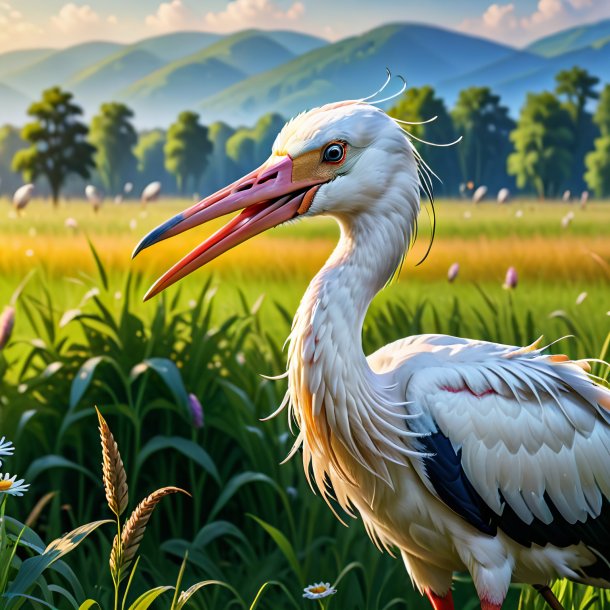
x=354, y=67
x=187, y=81
x=58, y=67
x=521, y=72
x=16, y=60
x=238, y=77
x=594, y=34
x=14, y=106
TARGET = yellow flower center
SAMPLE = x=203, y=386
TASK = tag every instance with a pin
x=4, y=485
x=319, y=589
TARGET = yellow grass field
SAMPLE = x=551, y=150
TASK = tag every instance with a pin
x=484, y=239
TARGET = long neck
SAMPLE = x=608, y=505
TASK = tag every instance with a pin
x=341, y=406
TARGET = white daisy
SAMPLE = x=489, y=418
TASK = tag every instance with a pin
x=318, y=590
x=6, y=447
x=9, y=485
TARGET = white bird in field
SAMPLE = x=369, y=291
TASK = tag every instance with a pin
x=94, y=197
x=479, y=194
x=503, y=195
x=151, y=192
x=464, y=455
x=22, y=196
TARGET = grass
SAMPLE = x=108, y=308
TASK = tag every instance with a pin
x=84, y=338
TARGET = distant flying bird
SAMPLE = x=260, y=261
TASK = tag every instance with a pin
x=22, y=196
x=94, y=197
x=461, y=454
x=479, y=194
x=151, y=192
x=503, y=195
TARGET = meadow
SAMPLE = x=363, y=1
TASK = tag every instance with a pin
x=83, y=337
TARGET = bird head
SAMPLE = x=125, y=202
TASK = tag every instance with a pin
x=347, y=160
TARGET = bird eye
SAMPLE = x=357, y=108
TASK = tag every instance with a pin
x=334, y=153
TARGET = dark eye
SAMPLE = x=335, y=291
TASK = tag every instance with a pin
x=334, y=153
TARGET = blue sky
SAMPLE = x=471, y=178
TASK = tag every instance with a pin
x=56, y=23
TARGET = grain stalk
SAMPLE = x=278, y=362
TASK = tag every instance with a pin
x=127, y=540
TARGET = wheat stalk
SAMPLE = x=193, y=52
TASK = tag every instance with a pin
x=113, y=471
x=123, y=552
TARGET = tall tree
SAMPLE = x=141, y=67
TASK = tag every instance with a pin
x=114, y=137
x=221, y=169
x=58, y=142
x=250, y=147
x=151, y=158
x=576, y=86
x=543, y=142
x=598, y=161
x=187, y=150
x=485, y=126
x=10, y=143
x=420, y=104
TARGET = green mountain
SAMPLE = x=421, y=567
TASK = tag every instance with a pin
x=102, y=80
x=169, y=47
x=296, y=42
x=594, y=34
x=353, y=68
x=58, y=67
x=523, y=71
x=16, y=60
x=13, y=107
x=185, y=82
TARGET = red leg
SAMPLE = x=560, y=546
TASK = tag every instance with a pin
x=485, y=605
x=440, y=603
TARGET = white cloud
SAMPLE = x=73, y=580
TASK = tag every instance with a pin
x=252, y=13
x=72, y=17
x=173, y=15
x=503, y=23
x=15, y=31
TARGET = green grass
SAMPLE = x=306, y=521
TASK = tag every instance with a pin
x=250, y=520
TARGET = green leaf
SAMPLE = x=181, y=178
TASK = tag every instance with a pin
x=284, y=546
x=170, y=375
x=89, y=603
x=146, y=599
x=32, y=568
x=233, y=486
x=55, y=461
x=188, y=448
x=84, y=377
x=99, y=265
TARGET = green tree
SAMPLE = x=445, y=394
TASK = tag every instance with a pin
x=114, y=137
x=248, y=148
x=543, y=142
x=420, y=104
x=221, y=169
x=597, y=162
x=10, y=143
x=576, y=86
x=485, y=126
x=187, y=149
x=58, y=142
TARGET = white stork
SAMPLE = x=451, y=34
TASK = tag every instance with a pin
x=464, y=455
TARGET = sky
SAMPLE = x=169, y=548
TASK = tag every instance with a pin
x=57, y=23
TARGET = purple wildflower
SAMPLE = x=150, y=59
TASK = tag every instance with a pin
x=453, y=272
x=7, y=321
x=196, y=411
x=511, y=278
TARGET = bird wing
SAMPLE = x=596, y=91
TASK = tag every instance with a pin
x=518, y=440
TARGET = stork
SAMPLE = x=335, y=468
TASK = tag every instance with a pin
x=464, y=455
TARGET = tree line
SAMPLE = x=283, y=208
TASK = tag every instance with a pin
x=556, y=144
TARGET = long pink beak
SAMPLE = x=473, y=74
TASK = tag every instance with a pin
x=268, y=196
